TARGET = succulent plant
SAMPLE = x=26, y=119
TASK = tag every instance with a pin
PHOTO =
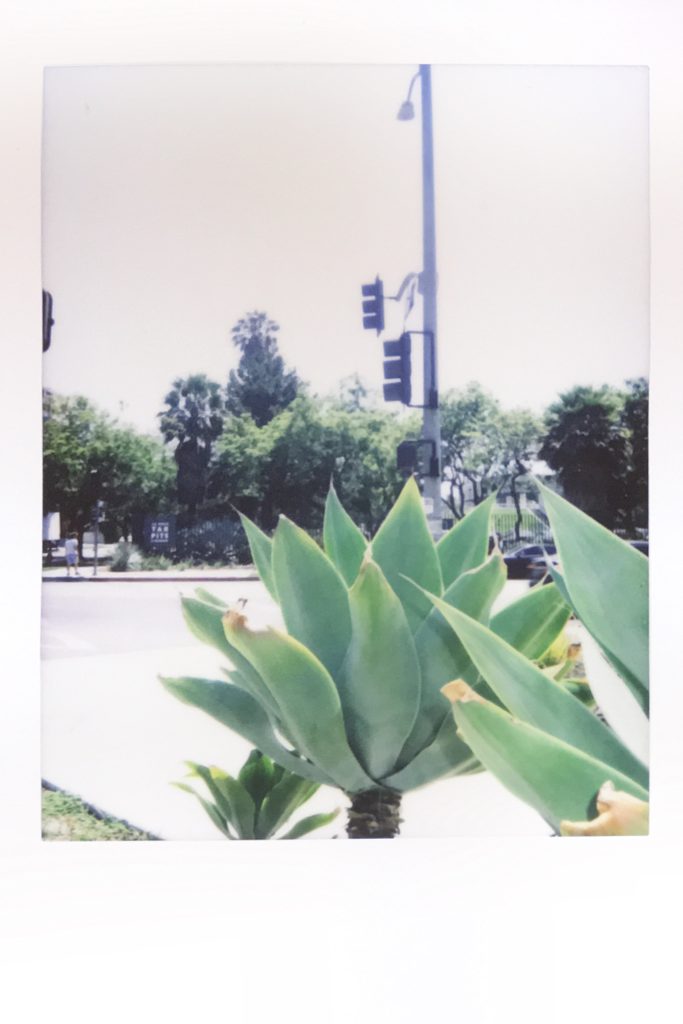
x=349, y=695
x=259, y=802
x=545, y=745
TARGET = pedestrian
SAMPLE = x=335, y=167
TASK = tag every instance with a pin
x=71, y=552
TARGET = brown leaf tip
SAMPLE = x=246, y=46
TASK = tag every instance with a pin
x=234, y=620
x=458, y=690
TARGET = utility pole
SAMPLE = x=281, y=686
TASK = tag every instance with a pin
x=431, y=425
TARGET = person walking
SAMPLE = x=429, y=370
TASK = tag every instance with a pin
x=71, y=553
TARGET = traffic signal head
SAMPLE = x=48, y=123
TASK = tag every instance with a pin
x=397, y=370
x=373, y=306
x=47, y=319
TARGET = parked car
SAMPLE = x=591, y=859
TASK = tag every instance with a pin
x=538, y=567
x=519, y=562
x=641, y=545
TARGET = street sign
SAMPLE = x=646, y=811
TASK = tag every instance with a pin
x=160, y=532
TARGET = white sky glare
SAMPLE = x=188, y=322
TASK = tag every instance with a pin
x=176, y=199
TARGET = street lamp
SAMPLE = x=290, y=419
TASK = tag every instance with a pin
x=431, y=427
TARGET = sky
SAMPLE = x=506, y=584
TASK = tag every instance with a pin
x=178, y=198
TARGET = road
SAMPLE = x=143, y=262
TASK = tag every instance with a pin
x=84, y=618
x=112, y=734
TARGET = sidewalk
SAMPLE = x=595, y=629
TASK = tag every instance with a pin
x=57, y=574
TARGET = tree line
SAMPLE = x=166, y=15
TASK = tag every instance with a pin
x=263, y=444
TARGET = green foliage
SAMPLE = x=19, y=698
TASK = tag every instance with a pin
x=126, y=556
x=88, y=456
x=471, y=444
x=285, y=467
x=485, y=448
x=597, y=441
x=67, y=818
x=544, y=744
x=606, y=583
x=259, y=802
x=350, y=694
x=259, y=387
x=192, y=420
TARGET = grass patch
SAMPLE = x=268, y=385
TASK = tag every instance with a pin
x=68, y=818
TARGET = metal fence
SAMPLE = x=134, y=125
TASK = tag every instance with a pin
x=534, y=527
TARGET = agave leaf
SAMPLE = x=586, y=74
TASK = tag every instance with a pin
x=619, y=814
x=212, y=811
x=447, y=754
x=560, y=781
x=531, y=696
x=242, y=807
x=379, y=683
x=616, y=701
x=288, y=795
x=307, y=697
x=441, y=655
x=209, y=598
x=306, y=825
x=222, y=805
x=245, y=716
x=257, y=775
x=344, y=543
x=607, y=581
x=260, y=546
x=533, y=622
x=312, y=595
x=403, y=547
x=232, y=800
x=465, y=545
x=206, y=622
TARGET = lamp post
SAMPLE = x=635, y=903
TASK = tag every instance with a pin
x=431, y=425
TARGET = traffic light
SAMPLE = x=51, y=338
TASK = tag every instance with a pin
x=47, y=319
x=397, y=370
x=373, y=306
x=406, y=457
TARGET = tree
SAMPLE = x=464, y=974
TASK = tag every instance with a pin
x=193, y=419
x=88, y=456
x=634, y=421
x=353, y=393
x=519, y=433
x=286, y=465
x=471, y=445
x=586, y=444
x=260, y=386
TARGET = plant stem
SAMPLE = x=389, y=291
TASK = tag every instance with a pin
x=374, y=814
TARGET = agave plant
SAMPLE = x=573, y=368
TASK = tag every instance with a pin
x=259, y=802
x=547, y=747
x=349, y=695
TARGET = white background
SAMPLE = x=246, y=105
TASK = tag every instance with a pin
x=533, y=930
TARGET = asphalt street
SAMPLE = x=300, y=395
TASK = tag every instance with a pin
x=81, y=618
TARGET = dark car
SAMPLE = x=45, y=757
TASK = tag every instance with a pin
x=538, y=567
x=641, y=545
x=520, y=562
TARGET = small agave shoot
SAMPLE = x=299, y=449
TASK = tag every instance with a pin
x=350, y=695
x=259, y=802
x=583, y=776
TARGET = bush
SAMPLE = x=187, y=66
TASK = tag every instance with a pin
x=125, y=557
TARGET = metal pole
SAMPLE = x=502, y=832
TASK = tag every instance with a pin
x=431, y=425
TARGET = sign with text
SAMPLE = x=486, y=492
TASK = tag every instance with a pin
x=160, y=532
